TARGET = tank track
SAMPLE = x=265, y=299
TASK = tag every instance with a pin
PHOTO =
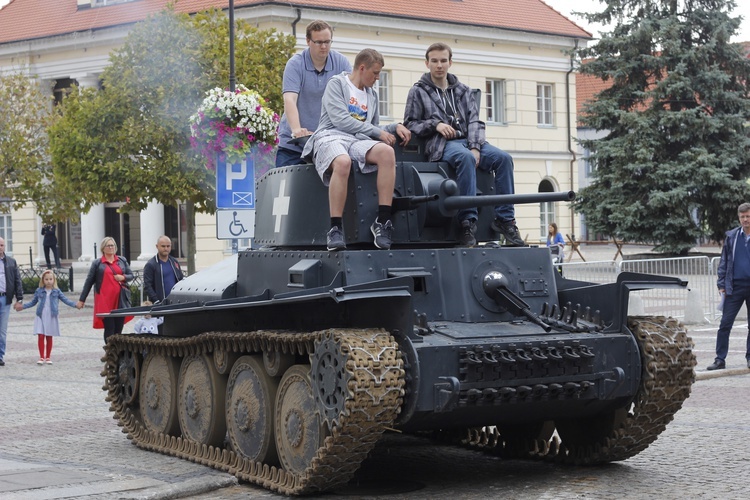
x=667, y=376
x=374, y=394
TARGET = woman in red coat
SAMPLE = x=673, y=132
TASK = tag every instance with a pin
x=108, y=276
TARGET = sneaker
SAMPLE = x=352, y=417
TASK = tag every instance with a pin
x=335, y=239
x=40, y=362
x=510, y=231
x=48, y=361
x=468, y=228
x=382, y=234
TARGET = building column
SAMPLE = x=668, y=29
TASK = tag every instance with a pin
x=152, y=226
x=92, y=233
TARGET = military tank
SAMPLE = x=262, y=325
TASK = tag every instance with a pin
x=284, y=365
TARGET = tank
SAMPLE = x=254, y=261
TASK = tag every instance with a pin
x=284, y=365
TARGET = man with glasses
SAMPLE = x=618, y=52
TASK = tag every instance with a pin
x=305, y=78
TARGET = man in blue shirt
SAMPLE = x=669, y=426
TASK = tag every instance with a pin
x=734, y=284
x=161, y=272
x=305, y=78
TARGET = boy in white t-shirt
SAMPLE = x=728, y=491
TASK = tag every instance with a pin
x=349, y=130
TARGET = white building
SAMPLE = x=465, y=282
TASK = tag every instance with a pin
x=516, y=51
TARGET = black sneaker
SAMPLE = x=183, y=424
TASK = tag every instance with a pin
x=335, y=239
x=468, y=228
x=509, y=229
x=382, y=234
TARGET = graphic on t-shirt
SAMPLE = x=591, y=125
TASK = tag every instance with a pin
x=357, y=110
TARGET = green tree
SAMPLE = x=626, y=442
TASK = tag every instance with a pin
x=130, y=141
x=24, y=157
x=675, y=163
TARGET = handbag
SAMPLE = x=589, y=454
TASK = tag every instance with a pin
x=125, y=297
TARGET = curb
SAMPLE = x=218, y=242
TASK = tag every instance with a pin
x=725, y=372
x=185, y=489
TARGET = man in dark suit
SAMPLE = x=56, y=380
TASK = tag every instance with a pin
x=50, y=243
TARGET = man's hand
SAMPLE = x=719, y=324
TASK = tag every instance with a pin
x=18, y=306
x=475, y=152
x=300, y=132
x=387, y=138
x=404, y=133
x=446, y=130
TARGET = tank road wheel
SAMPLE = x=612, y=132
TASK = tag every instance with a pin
x=251, y=393
x=128, y=370
x=158, y=401
x=667, y=362
x=201, y=401
x=298, y=429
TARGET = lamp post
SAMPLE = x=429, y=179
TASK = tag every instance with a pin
x=232, y=82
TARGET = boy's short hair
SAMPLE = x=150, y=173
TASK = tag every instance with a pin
x=368, y=57
x=438, y=46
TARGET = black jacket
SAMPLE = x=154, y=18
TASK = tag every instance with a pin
x=50, y=238
x=96, y=275
x=13, y=285
x=153, y=280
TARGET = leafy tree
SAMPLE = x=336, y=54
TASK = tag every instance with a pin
x=130, y=141
x=24, y=163
x=675, y=163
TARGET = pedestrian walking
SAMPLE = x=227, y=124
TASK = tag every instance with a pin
x=734, y=284
x=46, y=325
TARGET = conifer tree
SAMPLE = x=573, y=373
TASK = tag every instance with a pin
x=675, y=163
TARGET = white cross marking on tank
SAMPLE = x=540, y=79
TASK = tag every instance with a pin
x=280, y=206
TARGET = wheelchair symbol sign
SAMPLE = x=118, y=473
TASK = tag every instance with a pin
x=231, y=224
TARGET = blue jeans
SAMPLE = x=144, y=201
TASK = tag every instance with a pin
x=732, y=305
x=497, y=161
x=286, y=157
x=4, y=314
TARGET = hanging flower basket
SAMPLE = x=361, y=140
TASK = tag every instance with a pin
x=231, y=124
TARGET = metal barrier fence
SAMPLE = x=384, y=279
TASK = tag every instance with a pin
x=700, y=272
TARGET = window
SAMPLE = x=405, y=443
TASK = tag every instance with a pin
x=546, y=209
x=544, y=104
x=495, y=101
x=383, y=88
x=589, y=165
x=6, y=231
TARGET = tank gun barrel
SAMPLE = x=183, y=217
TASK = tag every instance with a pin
x=460, y=202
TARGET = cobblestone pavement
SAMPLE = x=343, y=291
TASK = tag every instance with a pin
x=58, y=440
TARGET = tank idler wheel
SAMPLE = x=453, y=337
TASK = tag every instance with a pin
x=202, y=394
x=330, y=378
x=298, y=429
x=277, y=362
x=251, y=394
x=128, y=370
x=158, y=401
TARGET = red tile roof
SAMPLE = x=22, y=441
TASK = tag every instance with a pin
x=30, y=19
x=587, y=86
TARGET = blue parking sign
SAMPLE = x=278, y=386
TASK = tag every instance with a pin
x=235, y=184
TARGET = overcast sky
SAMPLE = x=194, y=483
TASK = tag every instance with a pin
x=565, y=7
